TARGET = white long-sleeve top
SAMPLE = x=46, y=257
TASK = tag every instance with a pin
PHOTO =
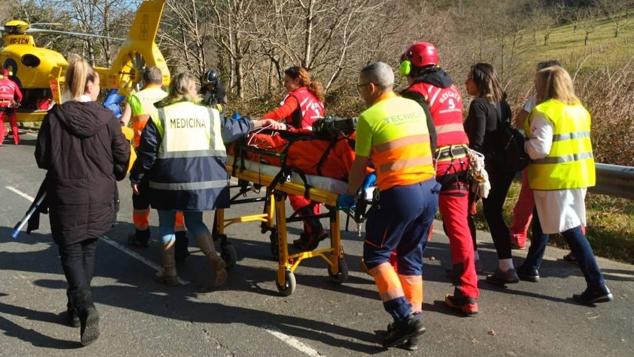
x=558, y=210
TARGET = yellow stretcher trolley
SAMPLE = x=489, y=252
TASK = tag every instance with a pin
x=252, y=174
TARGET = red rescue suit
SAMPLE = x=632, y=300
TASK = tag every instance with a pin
x=452, y=164
x=300, y=109
x=10, y=96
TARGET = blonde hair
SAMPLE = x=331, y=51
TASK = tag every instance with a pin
x=554, y=82
x=78, y=74
x=180, y=87
x=305, y=80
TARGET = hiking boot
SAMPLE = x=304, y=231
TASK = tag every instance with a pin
x=139, y=239
x=401, y=331
x=570, y=258
x=503, y=277
x=308, y=242
x=181, y=252
x=593, y=296
x=466, y=305
x=528, y=274
x=411, y=344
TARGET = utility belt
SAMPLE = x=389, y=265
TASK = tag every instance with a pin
x=450, y=152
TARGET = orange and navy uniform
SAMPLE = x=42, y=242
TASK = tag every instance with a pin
x=393, y=134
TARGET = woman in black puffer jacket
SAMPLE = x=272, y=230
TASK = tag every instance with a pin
x=81, y=146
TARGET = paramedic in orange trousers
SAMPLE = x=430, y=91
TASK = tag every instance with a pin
x=300, y=109
x=10, y=98
x=392, y=133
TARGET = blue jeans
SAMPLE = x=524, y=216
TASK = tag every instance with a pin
x=579, y=246
x=193, y=222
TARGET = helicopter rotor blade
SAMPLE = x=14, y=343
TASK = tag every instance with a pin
x=70, y=33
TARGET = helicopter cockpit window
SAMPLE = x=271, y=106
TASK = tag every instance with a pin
x=30, y=60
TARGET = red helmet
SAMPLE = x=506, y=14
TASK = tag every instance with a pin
x=421, y=54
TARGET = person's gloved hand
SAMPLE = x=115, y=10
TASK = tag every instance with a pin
x=345, y=201
x=236, y=116
x=369, y=181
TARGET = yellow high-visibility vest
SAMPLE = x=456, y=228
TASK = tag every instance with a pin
x=189, y=130
x=570, y=162
x=142, y=107
x=400, y=144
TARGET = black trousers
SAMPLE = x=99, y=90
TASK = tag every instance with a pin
x=493, y=205
x=78, y=262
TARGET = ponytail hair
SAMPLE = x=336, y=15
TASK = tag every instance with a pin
x=305, y=80
x=78, y=74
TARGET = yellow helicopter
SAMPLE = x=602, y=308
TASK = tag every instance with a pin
x=39, y=72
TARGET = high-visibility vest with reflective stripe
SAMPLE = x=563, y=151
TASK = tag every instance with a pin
x=406, y=159
x=570, y=162
x=142, y=107
x=445, y=107
x=191, y=156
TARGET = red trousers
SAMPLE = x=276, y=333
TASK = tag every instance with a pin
x=14, y=125
x=454, y=209
x=302, y=205
x=522, y=213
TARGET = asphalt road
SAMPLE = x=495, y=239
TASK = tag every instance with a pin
x=247, y=317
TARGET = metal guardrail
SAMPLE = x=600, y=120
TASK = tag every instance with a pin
x=614, y=180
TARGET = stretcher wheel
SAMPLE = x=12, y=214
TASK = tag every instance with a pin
x=275, y=249
x=288, y=288
x=341, y=276
x=229, y=255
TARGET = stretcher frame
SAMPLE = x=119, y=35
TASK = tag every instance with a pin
x=274, y=219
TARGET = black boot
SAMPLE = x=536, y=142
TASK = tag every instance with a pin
x=72, y=318
x=182, y=242
x=401, y=331
x=139, y=239
x=88, y=317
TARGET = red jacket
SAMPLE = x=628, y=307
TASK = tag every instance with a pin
x=445, y=106
x=300, y=109
x=9, y=92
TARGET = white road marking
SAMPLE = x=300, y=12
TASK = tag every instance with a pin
x=19, y=193
x=137, y=256
x=293, y=342
x=109, y=241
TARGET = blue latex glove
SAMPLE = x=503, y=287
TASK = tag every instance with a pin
x=345, y=201
x=236, y=116
x=369, y=181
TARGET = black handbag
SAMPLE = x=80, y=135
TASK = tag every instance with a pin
x=509, y=153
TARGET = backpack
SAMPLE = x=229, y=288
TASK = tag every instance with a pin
x=509, y=153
